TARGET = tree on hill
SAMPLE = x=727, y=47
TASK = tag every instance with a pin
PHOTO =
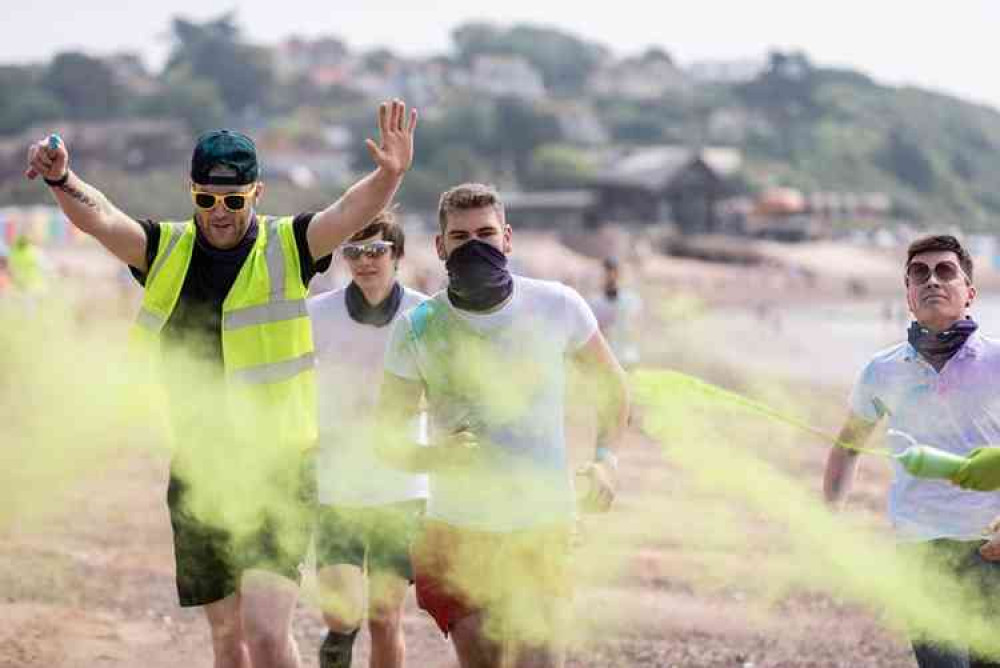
x=904, y=157
x=378, y=60
x=560, y=166
x=521, y=127
x=785, y=93
x=86, y=86
x=194, y=100
x=655, y=54
x=23, y=100
x=214, y=51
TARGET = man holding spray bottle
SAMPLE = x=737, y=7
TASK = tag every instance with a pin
x=938, y=388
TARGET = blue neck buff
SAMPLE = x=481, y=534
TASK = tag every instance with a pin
x=478, y=278
x=377, y=315
x=938, y=348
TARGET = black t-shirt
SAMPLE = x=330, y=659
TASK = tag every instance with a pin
x=196, y=321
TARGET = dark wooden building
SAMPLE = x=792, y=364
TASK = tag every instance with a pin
x=550, y=209
x=665, y=185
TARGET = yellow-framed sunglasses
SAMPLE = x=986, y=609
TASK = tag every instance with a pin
x=234, y=202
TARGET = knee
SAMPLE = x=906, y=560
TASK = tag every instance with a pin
x=228, y=645
x=230, y=654
x=385, y=622
x=269, y=646
x=228, y=641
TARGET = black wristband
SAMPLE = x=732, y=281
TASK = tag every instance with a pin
x=58, y=182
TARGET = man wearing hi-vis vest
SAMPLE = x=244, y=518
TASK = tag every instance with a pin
x=224, y=321
x=26, y=270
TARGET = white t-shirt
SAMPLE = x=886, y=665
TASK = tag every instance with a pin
x=956, y=410
x=619, y=321
x=349, y=357
x=506, y=374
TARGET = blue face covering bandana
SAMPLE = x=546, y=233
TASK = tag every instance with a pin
x=478, y=278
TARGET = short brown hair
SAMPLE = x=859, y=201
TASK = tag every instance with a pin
x=387, y=223
x=941, y=242
x=468, y=196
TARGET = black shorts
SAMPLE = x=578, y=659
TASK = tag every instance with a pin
x=210, y=559
x=378, y=538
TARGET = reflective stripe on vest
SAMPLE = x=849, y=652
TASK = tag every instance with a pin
x=258, y=315
x=154, y=313
x=276, y=372
x=267, y=310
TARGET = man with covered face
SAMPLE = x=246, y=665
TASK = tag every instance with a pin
x=488, y=354
x=939, y=387
x=224, y=321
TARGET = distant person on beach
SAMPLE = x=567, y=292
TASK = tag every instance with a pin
x=28, y=268
x=369, y=512
x=618, y=311
x=939, y=387
x=5, y=282
x=489, y=356
x=224, y=323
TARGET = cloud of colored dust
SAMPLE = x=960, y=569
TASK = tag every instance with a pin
x=725, y=445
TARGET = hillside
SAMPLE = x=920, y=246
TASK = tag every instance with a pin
x=528, y=107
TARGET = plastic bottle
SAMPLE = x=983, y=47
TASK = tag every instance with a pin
x=924, y=461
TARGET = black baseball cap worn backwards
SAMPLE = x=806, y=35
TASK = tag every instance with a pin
x=224, y=148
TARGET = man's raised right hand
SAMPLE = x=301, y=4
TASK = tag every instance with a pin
x=48, y=158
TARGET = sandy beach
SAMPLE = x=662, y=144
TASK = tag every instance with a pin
x=91, y=584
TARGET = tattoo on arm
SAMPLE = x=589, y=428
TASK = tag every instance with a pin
x=78, y=195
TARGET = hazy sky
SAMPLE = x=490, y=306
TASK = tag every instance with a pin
x=896, y=41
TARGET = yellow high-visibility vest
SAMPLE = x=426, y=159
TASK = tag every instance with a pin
x=267, y=344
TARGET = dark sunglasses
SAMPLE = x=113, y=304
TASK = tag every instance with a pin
x=372, y=250
x=233, y=202
x=920, y=272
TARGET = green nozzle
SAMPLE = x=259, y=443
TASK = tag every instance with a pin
x=923, y=461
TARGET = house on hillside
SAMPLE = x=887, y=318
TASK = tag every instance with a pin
x=503, y=76
x=726, y=71
x=665, y=184
x=788, y=214
x=133, y=144
x=649, y=77
x=297, y=56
